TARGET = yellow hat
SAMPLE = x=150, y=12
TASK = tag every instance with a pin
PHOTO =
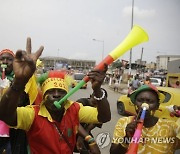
x=53, y=79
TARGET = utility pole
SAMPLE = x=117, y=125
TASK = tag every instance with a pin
x=141, y=60
x=130, y=56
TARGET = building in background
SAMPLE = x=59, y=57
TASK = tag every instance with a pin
x=140, y=62
x=151, y=66
x=173, y=66
x=173, y=73
x=60, y=62
x=162, y=61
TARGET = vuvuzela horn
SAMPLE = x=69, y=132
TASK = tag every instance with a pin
x=3, y=66
x=136, y=36
x=133, y=146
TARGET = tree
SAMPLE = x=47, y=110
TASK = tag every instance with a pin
x=116, y=64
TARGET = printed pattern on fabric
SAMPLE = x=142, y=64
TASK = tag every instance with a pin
x=159, y=139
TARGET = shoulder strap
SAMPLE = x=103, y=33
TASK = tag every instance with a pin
x=36, y=108
x=64, y=137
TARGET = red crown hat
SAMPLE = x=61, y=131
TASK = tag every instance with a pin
x=7, y=51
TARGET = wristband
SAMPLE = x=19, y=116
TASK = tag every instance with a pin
x=89, y=139
x=100, y=98
x=93, y=143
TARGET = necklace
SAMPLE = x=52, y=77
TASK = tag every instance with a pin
x=62, y=136
x=57, y=127
x=61, y=133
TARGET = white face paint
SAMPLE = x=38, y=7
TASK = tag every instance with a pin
x=4, y=83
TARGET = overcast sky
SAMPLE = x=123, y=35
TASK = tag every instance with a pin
x=67, y=28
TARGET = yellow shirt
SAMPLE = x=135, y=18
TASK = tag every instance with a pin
x=159, y=139
x=25, y=115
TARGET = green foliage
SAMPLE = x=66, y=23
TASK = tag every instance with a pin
x=116, y=64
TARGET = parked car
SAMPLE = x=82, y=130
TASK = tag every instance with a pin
x=162, y=77
x=172, y=97
x=155, y=81
x=77, y=77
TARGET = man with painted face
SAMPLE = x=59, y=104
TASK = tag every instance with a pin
x=160, y=136
x=16, y=143
x=6, y=67
x=49, y=129
x=6, y=59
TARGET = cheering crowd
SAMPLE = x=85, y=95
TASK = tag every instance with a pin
x=34, y=124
